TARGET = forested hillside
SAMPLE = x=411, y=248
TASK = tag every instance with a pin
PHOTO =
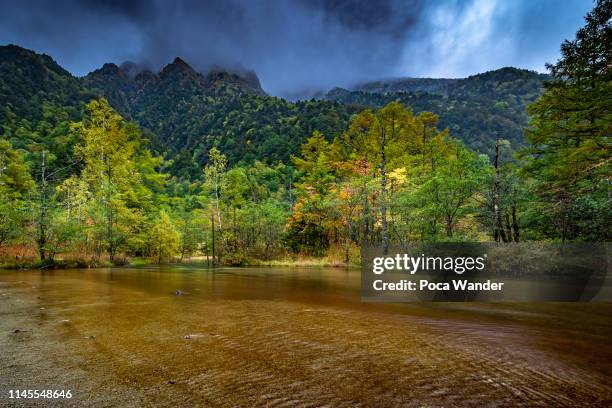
x=38, y=102
x=477, y=109
x=189, y=113
x=182, y=112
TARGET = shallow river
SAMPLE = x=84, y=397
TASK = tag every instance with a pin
x=287, y=337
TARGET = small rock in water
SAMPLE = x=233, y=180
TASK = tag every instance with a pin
x=178, y=292
x=193, y=336
x=21, y=330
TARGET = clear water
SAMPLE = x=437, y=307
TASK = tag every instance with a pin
x=287, y=337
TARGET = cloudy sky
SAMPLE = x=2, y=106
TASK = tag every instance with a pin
x=298, y=45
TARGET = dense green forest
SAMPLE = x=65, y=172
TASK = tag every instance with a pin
x=476, y=109
x=125, y=163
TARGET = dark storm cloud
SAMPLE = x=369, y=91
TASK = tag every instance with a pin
x=298, y=45
x=293, y=46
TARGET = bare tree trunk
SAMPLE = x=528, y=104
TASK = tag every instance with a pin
x=449, y=225
x=366, y=217
x=508, y=228
x=498, y=231
x=347, y=242
x=111, y=239
x=42, y=214
x=212, y=224
x=515, y=225
x=383, y=199
x=217, y=202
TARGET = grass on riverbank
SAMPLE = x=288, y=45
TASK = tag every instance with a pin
x=298, y=261
x=334, y=257
x=303, y=261
x=55, y=264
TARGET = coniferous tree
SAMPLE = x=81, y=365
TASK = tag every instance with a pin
x=570, y=132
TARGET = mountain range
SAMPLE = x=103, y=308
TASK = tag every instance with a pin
x=184, y=112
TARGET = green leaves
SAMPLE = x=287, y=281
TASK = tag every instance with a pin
x=570, y=130
x=15, y=179
x=164, y=239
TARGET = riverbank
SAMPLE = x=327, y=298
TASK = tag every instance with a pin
x=55, y=264
x=297, y=261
